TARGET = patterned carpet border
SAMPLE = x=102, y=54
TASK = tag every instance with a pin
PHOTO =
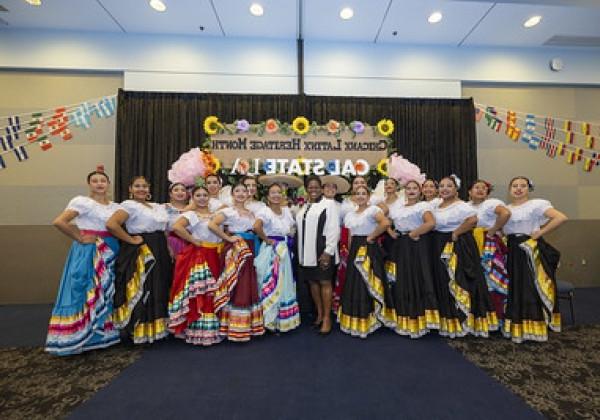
x=559, y=378
x=36, y=385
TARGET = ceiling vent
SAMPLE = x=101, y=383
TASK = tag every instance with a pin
x=573, y=41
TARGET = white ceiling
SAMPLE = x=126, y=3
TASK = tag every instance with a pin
x=465, y=22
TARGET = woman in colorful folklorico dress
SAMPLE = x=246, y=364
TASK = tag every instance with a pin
x=82, y=315
x=318, y=233
x=144, y=268
x=348, y=205
x=532, y=305
x=178, y=201
x=275, y=225
x=409, y=265
x=464, y=303
x=492, y=215
x=197, y=269
x=362, y=306
x=237, y=301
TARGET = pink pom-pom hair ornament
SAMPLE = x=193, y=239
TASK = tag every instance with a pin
x=403, y=170
x=188, y=168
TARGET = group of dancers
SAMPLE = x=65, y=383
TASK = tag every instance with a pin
x=205, y=268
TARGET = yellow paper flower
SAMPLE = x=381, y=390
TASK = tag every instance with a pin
x=301, y=125
x=385, y=127
x=382, y=167
x=212, y=125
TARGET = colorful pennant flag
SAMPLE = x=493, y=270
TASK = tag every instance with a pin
x=45, y=144
x=106, y=107
x=588, y=164
x=14, y=124
x=569, y=135
x=80, y=117
x=567, y=125
x=2, y=163
x=590, y=142
x=530, y=123
x=36, y=127
x=21, y=153
x=585, y=128
x=513, y=132
x=551, y=150
x=534, y=142
x=7, y=142
x=478, y=114
x=560, y=148
x=59, y=124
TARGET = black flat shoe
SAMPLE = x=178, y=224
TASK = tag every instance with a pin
x=316, y=325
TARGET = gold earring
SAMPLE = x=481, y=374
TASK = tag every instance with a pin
x=130, y=196
x=148, y=197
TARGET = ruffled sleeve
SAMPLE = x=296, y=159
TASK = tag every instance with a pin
x=228, y=212
x=464, y=210
x=372, y=212
x=191, y=217
x=80, y=204
x=130, y=207
x=539, y=207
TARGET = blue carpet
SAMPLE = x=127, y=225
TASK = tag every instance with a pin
x=301, y=375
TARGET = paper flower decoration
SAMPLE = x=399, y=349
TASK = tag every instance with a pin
x=404, y=170
x=211, y=163
x=188, y=167
x=243, y=167
x=385, y=127
x=357, y=126
x=212, y=125
x=242, y=126
x=333, y=126
x=271, y=126
x=382, y=167
x=300, y=125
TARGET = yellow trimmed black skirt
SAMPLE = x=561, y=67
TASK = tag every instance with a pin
x=363, y=306
x=142, y=283
x=532, y=305
x=410, y=276
x=464, y=302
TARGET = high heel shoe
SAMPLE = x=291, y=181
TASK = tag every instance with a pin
x=326, y=331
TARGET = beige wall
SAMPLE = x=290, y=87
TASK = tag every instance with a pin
x=35, y=191
x=568, y=187
x=40, y=187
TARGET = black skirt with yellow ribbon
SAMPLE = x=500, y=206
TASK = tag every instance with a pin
x=532, y=305
x=409, y=272
x=142, y=283
x=366, y=297
x=468, y=286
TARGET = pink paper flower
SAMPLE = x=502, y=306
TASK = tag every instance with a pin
x=404, y=170
x=188, y=167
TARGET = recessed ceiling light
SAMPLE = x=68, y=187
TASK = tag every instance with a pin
x=532, y=21
x=346, y=13
x=256, y=9
x=34, y=2
x=435, y=17
x=158, y=5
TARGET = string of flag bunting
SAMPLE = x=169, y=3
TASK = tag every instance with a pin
x=575, y=140
x=41, y=127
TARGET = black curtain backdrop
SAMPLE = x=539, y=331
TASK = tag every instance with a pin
x=153, y=129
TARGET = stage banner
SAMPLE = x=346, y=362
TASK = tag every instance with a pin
x=319, y=150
